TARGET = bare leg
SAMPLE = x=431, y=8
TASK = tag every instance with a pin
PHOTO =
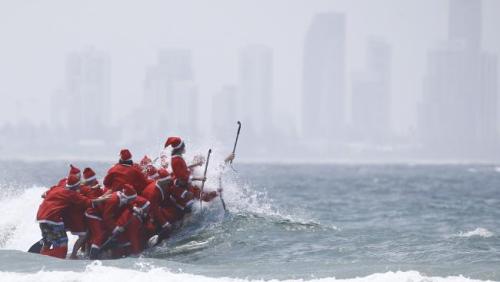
x=78, y=244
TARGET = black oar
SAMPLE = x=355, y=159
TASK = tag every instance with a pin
x=204, y=177
x=235, y=143
x=220, y=193
x=37, y=247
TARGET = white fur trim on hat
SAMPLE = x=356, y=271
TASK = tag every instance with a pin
x=90, y=178
x=180, y=145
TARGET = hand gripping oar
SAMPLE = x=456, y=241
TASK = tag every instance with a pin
x=235, y=143
x=204, y=177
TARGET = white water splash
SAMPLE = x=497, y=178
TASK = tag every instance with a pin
x=479, y=232
x=95, y=272
x=18, y=226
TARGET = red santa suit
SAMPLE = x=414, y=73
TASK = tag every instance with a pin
x=131, y=224
x=125, y=172
x=113, y=207
x=92, y=217
x=50, y=214
x=157, y=194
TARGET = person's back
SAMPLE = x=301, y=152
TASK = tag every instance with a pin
x=55, y=202
x=125, y=172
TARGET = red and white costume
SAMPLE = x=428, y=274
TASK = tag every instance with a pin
x=93, y=219
x=132, y=221
x=51, y=211
x=125, y=172
x=158, y=193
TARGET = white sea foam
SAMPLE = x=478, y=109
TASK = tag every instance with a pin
x=18, y=226
x=240, y=197
x=479, y=232
x=96, y=272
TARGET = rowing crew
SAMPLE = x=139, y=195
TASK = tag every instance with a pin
x=139, y=203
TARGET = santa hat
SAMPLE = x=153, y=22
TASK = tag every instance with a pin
x=88, y=174
x=163, y=175
x=73, y=170
x=146, y=161
x=128, y=192
x=175, y=142
x=151, y=170
x=125, y=155
x=73, y=181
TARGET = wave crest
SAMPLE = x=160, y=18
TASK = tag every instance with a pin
x=479, y=232
x=96, y=272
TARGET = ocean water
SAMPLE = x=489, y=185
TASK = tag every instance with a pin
x=290, y=222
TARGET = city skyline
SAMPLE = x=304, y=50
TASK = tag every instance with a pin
x=352, y=106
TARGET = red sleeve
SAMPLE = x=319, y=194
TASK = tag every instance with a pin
x=155, y=211
x=108, y=180
x=180, y=169
x=141, y=180
x=195, y=191
x=85, y=191
x=124, y=218
x=206, y=197
x=108, y=213
x=79, y=200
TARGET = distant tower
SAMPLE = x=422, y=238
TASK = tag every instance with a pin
x=371, y=94
x=458, y=115
x=224, y=112
x=323, y=93
x=464, y=23
x=171, y=94
x=255, y=88
x=88, y=90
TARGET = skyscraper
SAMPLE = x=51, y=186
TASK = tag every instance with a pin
x=171, y=94
x=255, y=88
x=371, y=94
x=464, y=23
x=458, y=115
x=323, y=90
x=224, y=112
x=88, y=93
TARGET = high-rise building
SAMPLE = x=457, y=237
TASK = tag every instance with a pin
x=371, y=94
x=255, y=88
x=171, y=94
x=224, y=112
x=464, y=22
x=323, y=93
x=88, y=93
x=458, y=115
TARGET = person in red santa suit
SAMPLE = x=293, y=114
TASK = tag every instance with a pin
x=130, y=228
x=73, y=217
x=50, y=215
x=73, y=170
x=112, y=209
x=93, y=190
x=125, y=172
x=180, y=169
x=183, y=192
x=158, y=194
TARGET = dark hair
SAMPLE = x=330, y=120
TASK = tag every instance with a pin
x=128, y=162
x=178, y=151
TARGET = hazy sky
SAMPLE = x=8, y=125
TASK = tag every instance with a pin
x=36, y=36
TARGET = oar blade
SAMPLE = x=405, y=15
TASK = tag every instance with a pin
x=37, y=247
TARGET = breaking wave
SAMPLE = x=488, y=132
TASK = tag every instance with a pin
x=478, y=232
x=96, y=272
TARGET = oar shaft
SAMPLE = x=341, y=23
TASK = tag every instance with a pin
x=237, y=137
x=204, y=177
